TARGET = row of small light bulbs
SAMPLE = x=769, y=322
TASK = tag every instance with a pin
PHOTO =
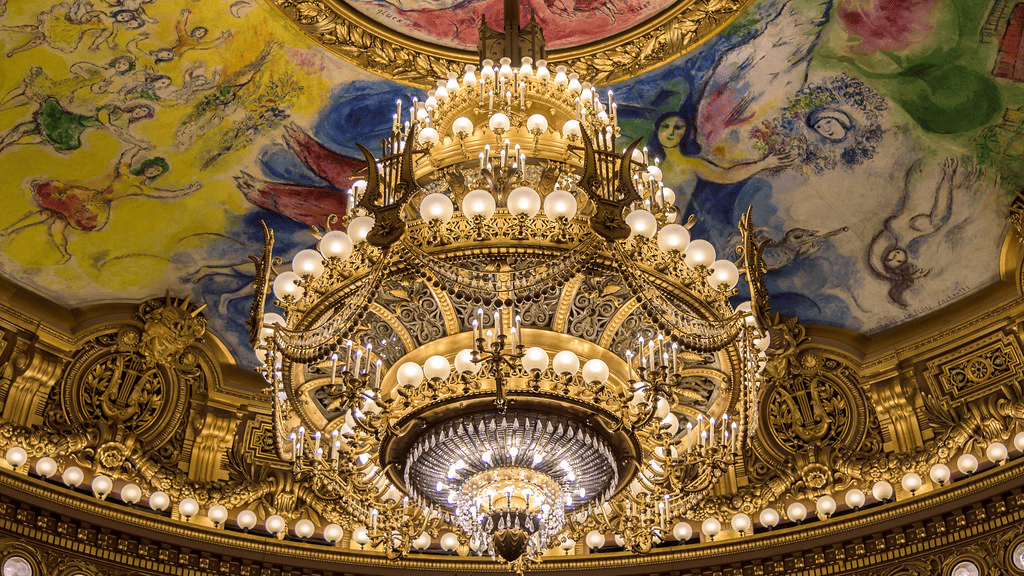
x=159, y=501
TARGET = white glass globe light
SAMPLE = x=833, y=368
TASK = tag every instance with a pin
x=358, y=228
x=101, y=486
x=567, y=544
x=560, y=204
x=285, y=286
x=711, y=527
x=566, y=362
x=661, y=408
x=654, y=173
x=1018, y=441
x=131, y=493
x=535, y=358
x=967, y=464
x=159, y=501
x=965, y=568
x=45, y=467
x=670, y=424
x=274, y=524
x=996, y=453
x=428, y=136
x=449, y=542
x=855, y=498
x=939, y=473
x=524, y=200
x=499, y=122
x=335, y=244
x=595, y=371
x=668, y=195
x=333, y=533
x=16, y=456
x=724, y=275
x=796, y=512
x=422, y=542
x=188, y=507
x=409, y=374
x=304, y=528
x=682, y=531
x=746, y=309
x=537, y=123
x=595, y=539
x=882, y=491
x=436, y=207
x=464, y=362
x=825, y=506
x=642, y=223
x=462, y=126
x=769, y=518
x=308, y=262
x=72, y=476
x=246, y=520
x=911, y=482
x=699, y=253
x=571, y=130
x=217, y=514
x=740, y=522
x=1018, y=557
x=437, y=367
x=478, y=203
x=674, y=238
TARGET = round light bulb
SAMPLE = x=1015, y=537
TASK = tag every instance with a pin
x=409, y=374
x=566, y=362
x=464, y=362
x=967, y=464
x=668, y=196
x=939, y=473
x=567, y=544
x=699, y=253
x=274, y=524
x=710, y=527
x=682, y=531
x=359, y=227
x=101, y=486
x=769, y=518
x=308, y=263
x=422, y=542
x=285, y=286
x=796, y=512
x=911, y=482
x=560, y=204
x=661, y=408
x=595, y=371
x=335, y=244
x=449, y=542
x=478, y=203
x=1018, y=441
x=16, y=456
x=996, y=453
x=333, y=533
x=462, y=126
x=45, y=467
x=674, y=238
x=304, y=528
x=428, y=136
x=217, y=514
x=965, y=568
x=642, y=223
x=188, y=507
x=499, y=122
x=437, y=368
x=571, y=130
x=654, y=173
x=724, y=275
x=670, y=424
x=595, y=539
x=159, y=501
x=855, y=498
x=740, y=522
x=246, y=520
x=536, y=123
x=746, y=309
x=524, y=200
x=72, y=476
x=535, y=358
x=825, y=506
x=882, y=491
x=436, y=207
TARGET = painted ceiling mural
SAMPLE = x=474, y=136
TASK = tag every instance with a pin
x=879, y=141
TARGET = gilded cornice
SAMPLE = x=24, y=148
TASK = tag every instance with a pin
x=362, y=41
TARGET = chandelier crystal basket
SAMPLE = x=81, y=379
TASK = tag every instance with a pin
x=493, y=205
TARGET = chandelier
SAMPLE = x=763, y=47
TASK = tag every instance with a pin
x=504, y=189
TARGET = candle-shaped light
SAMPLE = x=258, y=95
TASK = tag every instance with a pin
x=376, y=383
x=334, y=368
x=711, y=436
x=519, y=330
x=732, y=447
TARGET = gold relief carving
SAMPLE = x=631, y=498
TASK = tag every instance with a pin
x=213, y=437
x=976, y=369
x=26, y=379
x=374, y=47
x=257, y=442
x=895, y=408
x=168, y=330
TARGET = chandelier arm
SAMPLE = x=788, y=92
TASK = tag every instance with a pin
x=261, y=283
x=754, y=267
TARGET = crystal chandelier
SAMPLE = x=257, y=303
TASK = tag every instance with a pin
x=504, y=189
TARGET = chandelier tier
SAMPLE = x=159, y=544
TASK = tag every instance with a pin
x=500, y=210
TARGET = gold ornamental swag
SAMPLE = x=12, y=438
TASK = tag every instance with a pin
x=582, y=373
